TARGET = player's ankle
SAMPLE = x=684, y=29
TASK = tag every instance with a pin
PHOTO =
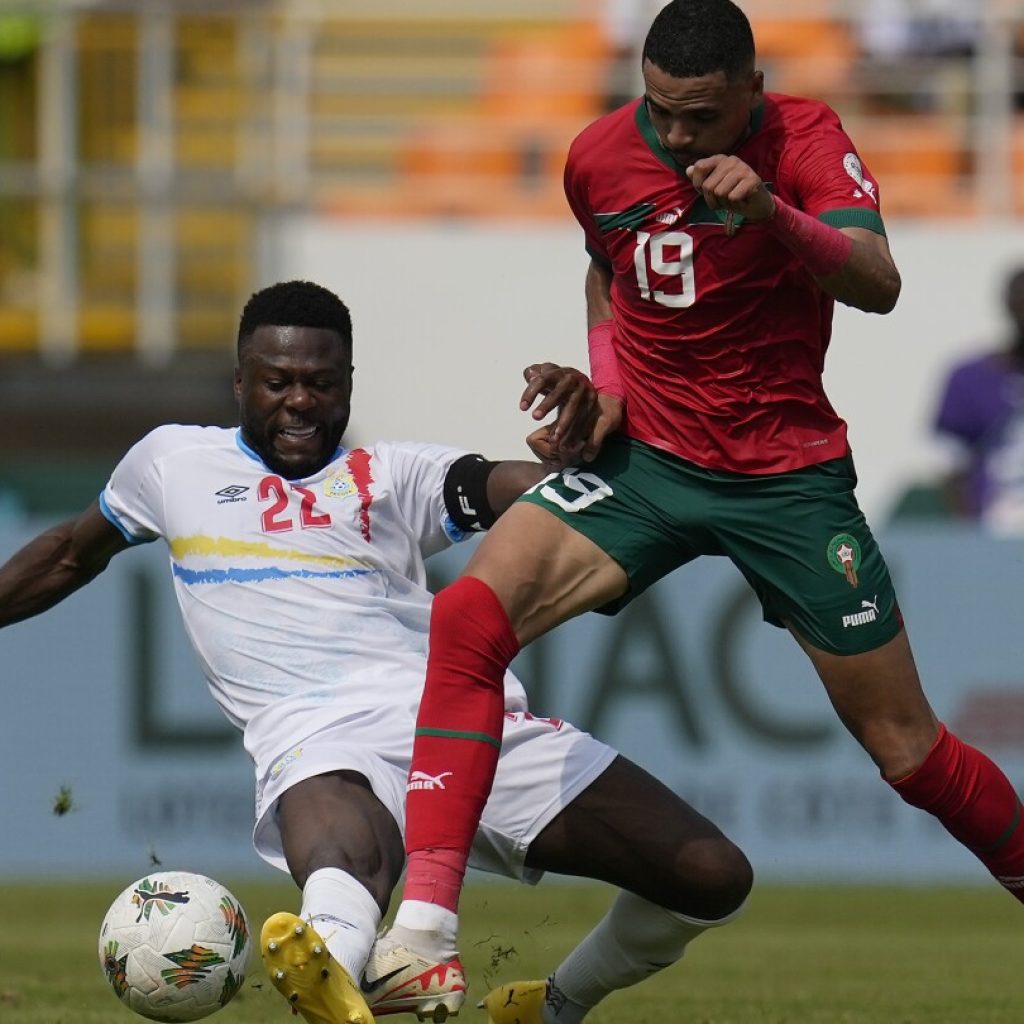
x=426, y=928
x=558, y=1008
x=418, y=915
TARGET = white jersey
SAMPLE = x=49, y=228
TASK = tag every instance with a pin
x=305, y=600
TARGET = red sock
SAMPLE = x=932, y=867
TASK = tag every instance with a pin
x=977, y=804
x=458, y=737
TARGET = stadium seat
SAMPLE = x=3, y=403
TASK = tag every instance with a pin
x=804, y=55
x=504, y=157
x=19, y=330
x=920, y=161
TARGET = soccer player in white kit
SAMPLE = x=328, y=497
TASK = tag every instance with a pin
x=298, y=566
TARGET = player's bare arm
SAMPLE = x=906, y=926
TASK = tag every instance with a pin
x=56, y=564
x=866, y=278
x=510, y=479
x=869, y=279
x=598, y=291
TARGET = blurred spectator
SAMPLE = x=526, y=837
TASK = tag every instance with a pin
x=982, y=413
x=624, y=22
x=918, y=52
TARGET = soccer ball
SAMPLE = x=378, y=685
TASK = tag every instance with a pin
x=174, y=946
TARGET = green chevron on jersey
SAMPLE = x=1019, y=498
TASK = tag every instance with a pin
x=628, y=219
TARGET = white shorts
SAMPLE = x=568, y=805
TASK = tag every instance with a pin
x=543, y=766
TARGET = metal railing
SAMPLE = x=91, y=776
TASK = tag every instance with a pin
x=153, y=148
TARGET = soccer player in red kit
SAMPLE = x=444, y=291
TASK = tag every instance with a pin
x=722, y=223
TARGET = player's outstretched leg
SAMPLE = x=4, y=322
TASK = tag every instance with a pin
x=634, y=940
x=458, y=740
x=398, y=980
x=305, y=973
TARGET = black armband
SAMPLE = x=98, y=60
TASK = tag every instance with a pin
x=465, y=493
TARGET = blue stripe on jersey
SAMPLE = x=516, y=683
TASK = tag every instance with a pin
x=114, y=521
x=259, y=574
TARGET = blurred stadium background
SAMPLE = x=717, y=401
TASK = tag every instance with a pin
x=161, y=160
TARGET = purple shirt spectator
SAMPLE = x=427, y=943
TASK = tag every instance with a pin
x=982, y=408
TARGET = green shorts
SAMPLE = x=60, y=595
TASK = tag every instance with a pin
x=799, y=537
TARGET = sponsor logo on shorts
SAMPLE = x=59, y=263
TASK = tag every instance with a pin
x=421, y=780
x=289, y=759
x=868, y=613
x=844, y=556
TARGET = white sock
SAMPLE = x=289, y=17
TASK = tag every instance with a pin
x=634, y=940
x=426, y=928
x=344, y=915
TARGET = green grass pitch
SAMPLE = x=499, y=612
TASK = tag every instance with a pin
x=799, y=955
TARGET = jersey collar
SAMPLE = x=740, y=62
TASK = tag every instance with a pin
x=244, y=447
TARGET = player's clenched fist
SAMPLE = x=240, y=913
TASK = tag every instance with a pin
x=727, y=183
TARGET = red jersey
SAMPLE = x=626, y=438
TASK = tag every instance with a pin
x=720, y=341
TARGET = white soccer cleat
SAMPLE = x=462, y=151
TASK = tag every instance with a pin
x=306, y=974
x=398, y=980
x=518, y=1002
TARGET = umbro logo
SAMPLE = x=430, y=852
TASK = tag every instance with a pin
x=233, y=492
x=371, y=986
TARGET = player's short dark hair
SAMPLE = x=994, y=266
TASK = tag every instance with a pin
x=295, y=304
x=693, y=38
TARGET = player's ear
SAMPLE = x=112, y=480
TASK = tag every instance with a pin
x=237, y=386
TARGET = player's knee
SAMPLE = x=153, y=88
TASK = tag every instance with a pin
x=470, y=630
x=712, y=879
x=452, y=605
x=468, y=605
x=374, y=867
x=899, y=748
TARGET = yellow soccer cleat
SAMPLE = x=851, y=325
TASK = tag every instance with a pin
x=518, y=1002
x=306, y=974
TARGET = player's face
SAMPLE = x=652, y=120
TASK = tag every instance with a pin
x=294, y=386
x=699, y=117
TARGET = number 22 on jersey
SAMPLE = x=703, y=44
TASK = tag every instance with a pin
x=276, y=519
x=668, y=254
